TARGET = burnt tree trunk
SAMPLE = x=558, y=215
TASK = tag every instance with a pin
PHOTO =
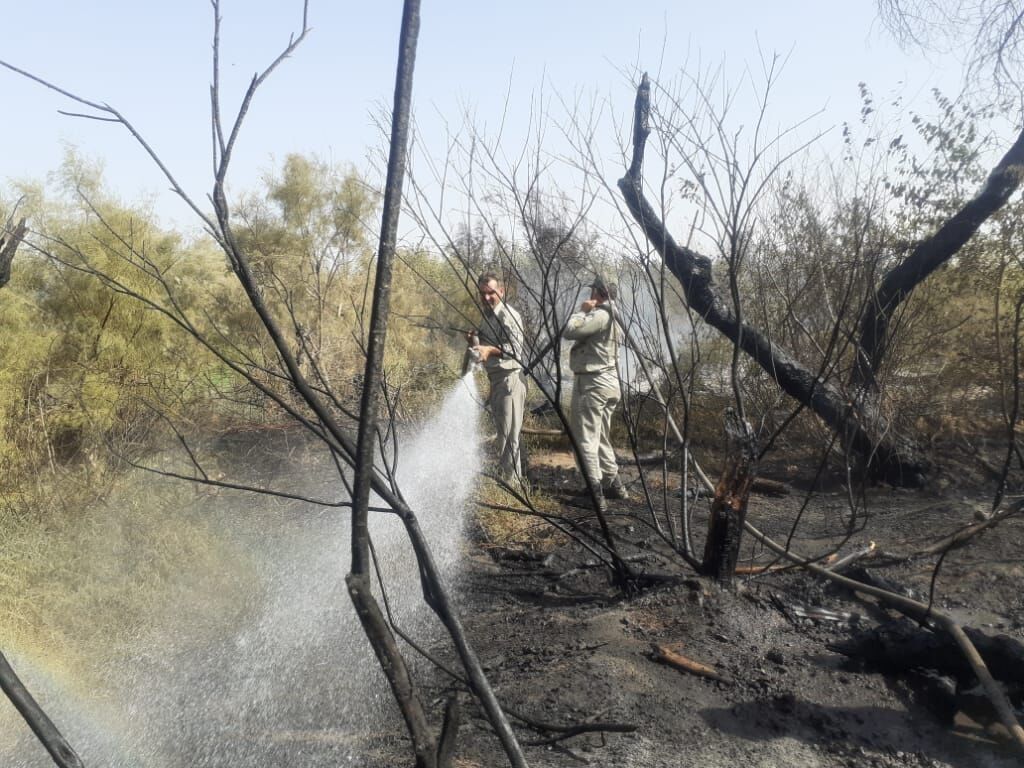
x=428, y=753
x=371, y=617
x=729, y=507
x=41, y=725
x=9, y=243
x=857, y=419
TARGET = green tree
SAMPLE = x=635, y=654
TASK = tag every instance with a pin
x=309, y=233
x=86, y=362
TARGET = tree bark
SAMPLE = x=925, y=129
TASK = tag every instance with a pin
x=425, y=745
x=44, y=729
x=374, y=624
x=382, y=640
x=8, y=246
x=729, y=507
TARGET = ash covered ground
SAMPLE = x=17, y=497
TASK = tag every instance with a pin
x=562, y=646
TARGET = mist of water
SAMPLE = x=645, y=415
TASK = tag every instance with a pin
x=297, y=683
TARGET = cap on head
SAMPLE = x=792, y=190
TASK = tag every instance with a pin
x=605, y=289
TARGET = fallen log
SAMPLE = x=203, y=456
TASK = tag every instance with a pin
x=903, y=645
x=644, y=459
x=912, y=608
x=666, y=655
x=919, y=611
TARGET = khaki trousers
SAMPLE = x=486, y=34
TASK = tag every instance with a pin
x=507, y=401
x=593, y=404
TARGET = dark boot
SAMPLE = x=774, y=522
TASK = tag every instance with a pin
x=583, y=500
x=615, y=490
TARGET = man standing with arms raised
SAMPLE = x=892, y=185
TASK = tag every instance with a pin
x=595, y=392
x=501, y=350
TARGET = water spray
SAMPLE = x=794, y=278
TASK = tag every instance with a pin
x=284, y=681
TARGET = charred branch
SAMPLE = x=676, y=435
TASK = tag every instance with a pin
x=864, y=431
x=920, y=612
x=927, y=256
x=44, y=729
x=9, y=243
x=449, y=731
x=375, y=626
x=365, y=472
x=677, y=660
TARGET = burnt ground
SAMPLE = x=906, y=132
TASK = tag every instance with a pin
x=561, y=646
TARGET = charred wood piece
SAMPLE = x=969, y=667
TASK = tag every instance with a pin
x=766, y=487
x=904, y=645
x=675, y=659
x=873, y=579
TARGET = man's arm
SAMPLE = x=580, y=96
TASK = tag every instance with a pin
x=508, y=344
x=586, y=322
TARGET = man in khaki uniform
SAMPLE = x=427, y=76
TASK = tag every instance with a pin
x=501, y=349
x=595, y=392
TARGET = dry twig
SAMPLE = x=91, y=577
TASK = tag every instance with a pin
x=674, y=659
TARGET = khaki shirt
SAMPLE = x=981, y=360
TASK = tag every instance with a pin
x=596, y=350
x=502, y=328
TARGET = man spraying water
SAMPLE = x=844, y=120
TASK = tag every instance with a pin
x=499, y=347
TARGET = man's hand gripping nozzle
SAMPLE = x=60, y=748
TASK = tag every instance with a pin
x=472, y=356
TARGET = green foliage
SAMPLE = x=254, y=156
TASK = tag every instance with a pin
x=308, y=237
x=96, y=358
x=87, y=357
x=96, y=350
x=932, y=189
x=79, y=586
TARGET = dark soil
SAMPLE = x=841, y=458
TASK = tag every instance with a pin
x=561, y=645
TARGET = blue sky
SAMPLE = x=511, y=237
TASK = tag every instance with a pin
x=151, y=60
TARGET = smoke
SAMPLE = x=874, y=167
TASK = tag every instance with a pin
x=295, y=683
